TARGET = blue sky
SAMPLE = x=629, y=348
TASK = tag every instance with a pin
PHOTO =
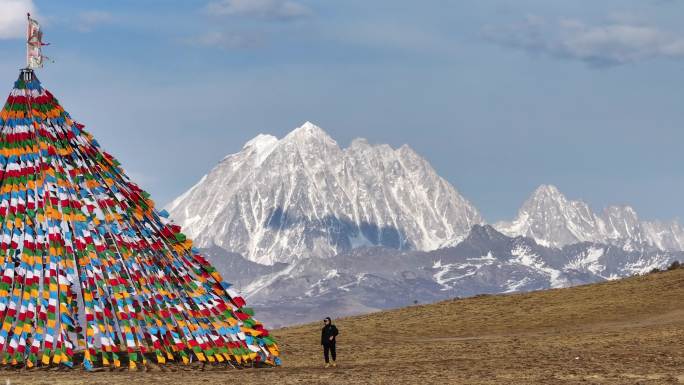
x=500, y=96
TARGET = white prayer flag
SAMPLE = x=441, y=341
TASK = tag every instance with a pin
x=34, y=53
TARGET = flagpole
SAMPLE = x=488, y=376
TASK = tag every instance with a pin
x=28, y=37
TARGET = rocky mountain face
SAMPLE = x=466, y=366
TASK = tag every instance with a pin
x=280, y=200
x=553, y=220
x=486, y=262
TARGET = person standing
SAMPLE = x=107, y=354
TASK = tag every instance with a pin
x=328, y=336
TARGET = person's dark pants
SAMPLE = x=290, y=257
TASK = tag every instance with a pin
x=329, y=350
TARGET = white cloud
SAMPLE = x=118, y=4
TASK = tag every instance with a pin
x=91, y=19
x=603, y=45
x=13, y=18
x=264, y=9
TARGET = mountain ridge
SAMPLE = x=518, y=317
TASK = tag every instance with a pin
x=368, y=279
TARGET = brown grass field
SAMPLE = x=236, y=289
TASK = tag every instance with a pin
x=620, y=332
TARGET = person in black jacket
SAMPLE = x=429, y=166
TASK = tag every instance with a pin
x=328, y=335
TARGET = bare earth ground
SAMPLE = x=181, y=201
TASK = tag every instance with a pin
x=619, y=332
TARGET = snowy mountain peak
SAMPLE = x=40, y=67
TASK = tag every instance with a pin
x=260, y=147
x=547, y=191
x=261, y=142
x=308, y=126
x=553, y=220
x=283, y=200
x=550, y=218
x=359, y=143
x=623, y=213
x=308, y=132
x=406, y=149
x=548, y=203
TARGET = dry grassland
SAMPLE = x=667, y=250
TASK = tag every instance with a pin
x=620, y=332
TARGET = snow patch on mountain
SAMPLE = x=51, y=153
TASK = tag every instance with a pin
x=589, y=260
x=526, y=257
x=647, y=264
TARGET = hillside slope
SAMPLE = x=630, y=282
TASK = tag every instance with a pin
x=627, y=331
x=618, y=332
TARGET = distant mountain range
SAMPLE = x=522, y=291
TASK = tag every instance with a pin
x=368, y=279
x=305, y=228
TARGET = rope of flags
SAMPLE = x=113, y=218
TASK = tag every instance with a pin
x=91, y=273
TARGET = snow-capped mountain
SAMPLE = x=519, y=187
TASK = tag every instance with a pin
x=553, y=220
x=485, y=262
x=279, y=200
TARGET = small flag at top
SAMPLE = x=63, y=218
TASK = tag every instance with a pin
x=34, y=45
